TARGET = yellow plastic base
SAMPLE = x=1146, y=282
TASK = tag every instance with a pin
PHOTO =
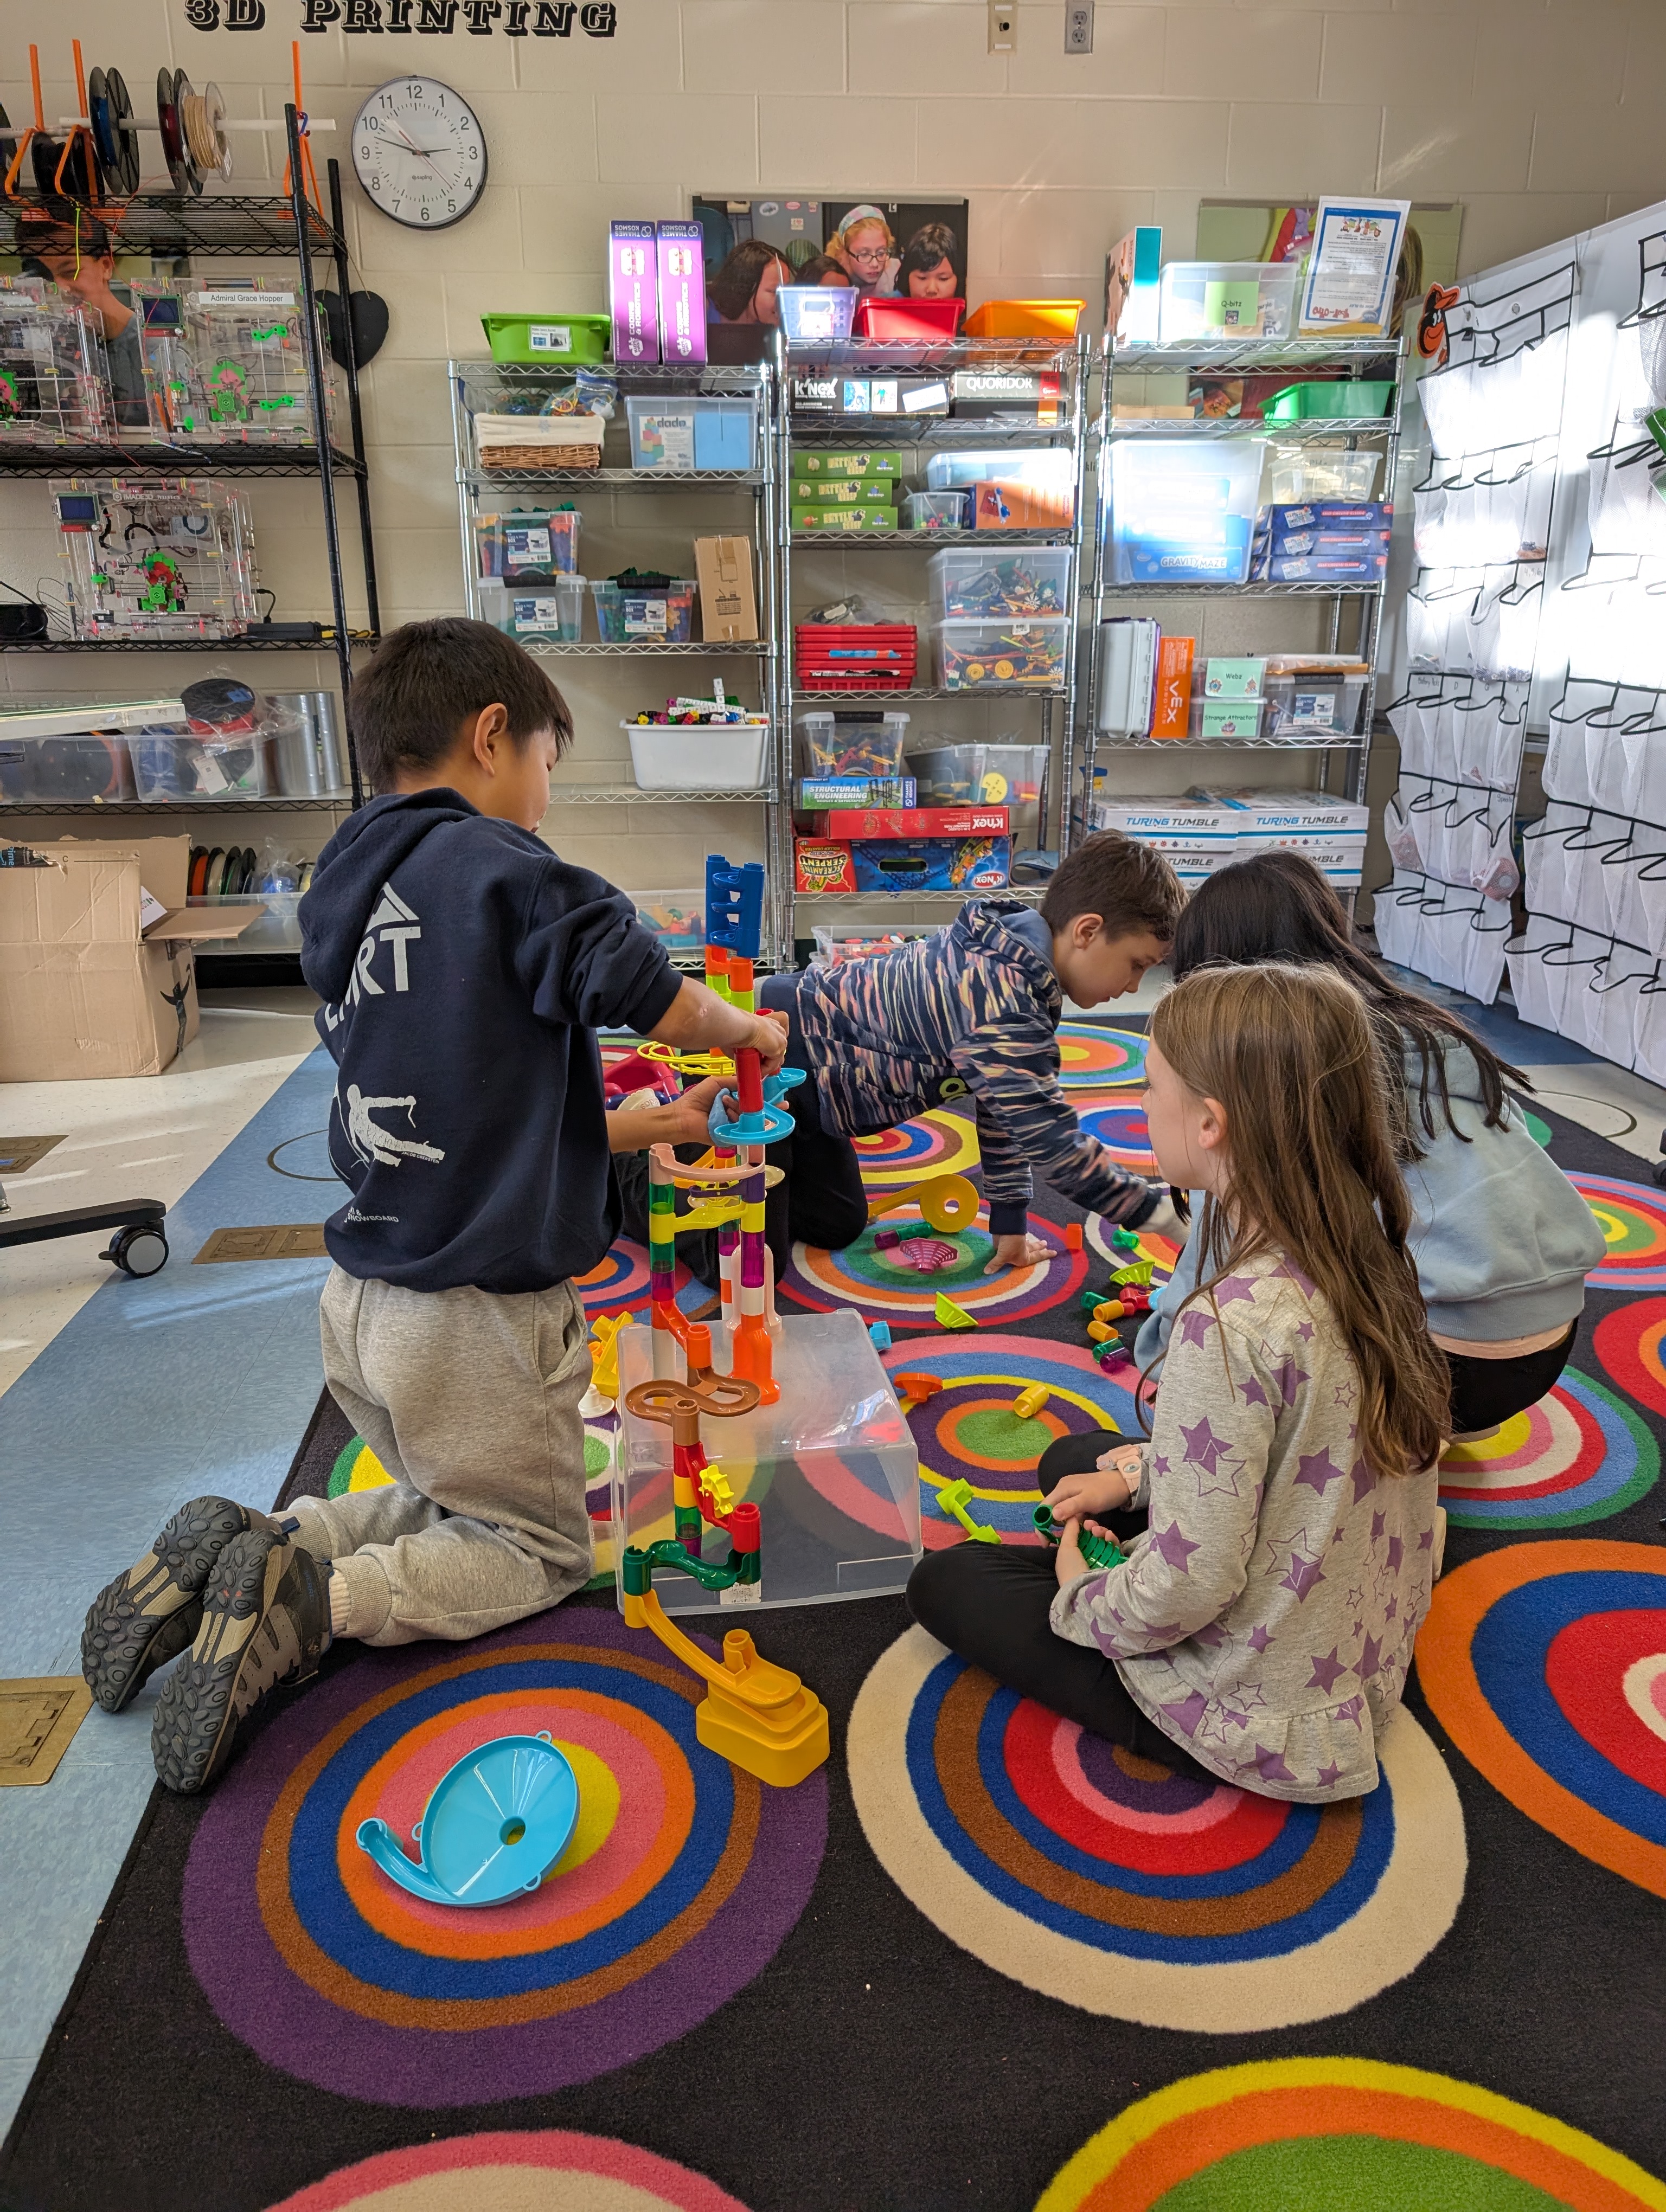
x=776, y=1756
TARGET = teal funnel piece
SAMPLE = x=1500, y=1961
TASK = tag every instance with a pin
x=495, y=1825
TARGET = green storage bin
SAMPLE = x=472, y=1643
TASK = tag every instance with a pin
x=547, y=341
x=1332, y=399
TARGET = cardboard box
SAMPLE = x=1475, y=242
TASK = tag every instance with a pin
x=844, y=491
x=824, y=391
x=86, y=987
x=970, y=864
x=1004, y=504
x=682, y=273
x=857, y=518
x=1023, y=396
x=915, y=821
x=633, y=291
x=728, y=605
x=817, y=794
x=845, y=464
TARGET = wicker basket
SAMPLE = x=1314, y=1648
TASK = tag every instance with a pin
x=546, y=442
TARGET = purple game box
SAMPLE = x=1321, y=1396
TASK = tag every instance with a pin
x=633, y=291
x=682, y=291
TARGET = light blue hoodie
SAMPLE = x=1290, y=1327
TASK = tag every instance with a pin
x=1503, y=1241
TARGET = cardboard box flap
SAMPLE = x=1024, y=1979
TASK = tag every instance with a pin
x=196, y=925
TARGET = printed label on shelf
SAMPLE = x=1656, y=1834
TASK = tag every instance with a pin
x=232, y=298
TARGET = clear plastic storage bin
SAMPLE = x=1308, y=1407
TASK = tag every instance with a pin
x=938, y=510
x=1297, y=474
x=983, y=775
x=554, y=611
x=646, y=616
x=835, y=947
x=698, y=755
x=528, y=540
x=1049, y=467
x=851, y=742
x=682, y=432
x=76, y=770
x=277, y=930
x=815, y=314
x=831, y=1468
x=1035, y=581
x=1227, y=299
x=169, y=764
x=1314, y=705
x=677, y=919
x=980, y=656
x=1183, y=512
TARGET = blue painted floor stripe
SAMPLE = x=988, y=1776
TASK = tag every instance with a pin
x=198, y=1379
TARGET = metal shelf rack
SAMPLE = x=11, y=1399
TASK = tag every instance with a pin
x=1229, y=357
x=475, y=387
x=238, y=226
x=923, y=435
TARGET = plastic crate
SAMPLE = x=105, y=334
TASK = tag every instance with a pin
x=835, y=948
x=938, y=510
x=1036, y=582
x=528, y=540
x=856, y=656
x=989, y=776
x=553, y=610
x=677, y=919
x=625, y=617
x=1026, y=319
x=1331, y=398
x=976, y=656
x=76, y=770
x=1314, y=704
x=682, y=432
x=698, y=755
x=836, y=744
x=1227, y=299
x=815, y=314
x=1183, y=512
x=906, y=322
x=1050, y=468
x=539, y=341
x=277, y=930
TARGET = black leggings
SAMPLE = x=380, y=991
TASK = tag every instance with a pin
x=1485, y=1392
x=819, y=1199
x=990, y=1602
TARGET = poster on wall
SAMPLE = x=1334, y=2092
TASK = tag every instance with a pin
x=915, y=247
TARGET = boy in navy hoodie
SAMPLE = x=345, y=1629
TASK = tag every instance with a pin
x=464, y=969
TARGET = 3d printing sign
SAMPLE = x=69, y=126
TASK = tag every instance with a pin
x=515, y=19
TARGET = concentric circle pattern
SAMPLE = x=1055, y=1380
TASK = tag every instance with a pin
x=1161, y=1251
x=1094, y=1058
x=1340, y=2134
x=357, y=1468
x=1110, y=1884
x=1119, y=1125
x=1579, y=1455
x=621, y=1280
x=938, y=1143
x=969, y=1432
x=883, y=1284
x=1630, y=1343
x=1540, y=1663
x=552, y=2170
x=682, y=1877
x=1633, y=1219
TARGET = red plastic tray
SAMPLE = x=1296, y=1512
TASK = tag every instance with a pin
x=829, y=656
x=906, y=322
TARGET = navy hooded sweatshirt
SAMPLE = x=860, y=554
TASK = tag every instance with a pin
x=465, y=969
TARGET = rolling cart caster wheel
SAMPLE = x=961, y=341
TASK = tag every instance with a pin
x=137, y=1251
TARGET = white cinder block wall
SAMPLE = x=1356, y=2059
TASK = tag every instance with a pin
x=1541, y=116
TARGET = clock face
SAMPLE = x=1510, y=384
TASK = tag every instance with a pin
x=420, y=153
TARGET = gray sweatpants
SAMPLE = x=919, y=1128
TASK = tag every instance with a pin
x=471, y=1401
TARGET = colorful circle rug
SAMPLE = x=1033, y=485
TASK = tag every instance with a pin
x=621, y=1279
x=934, y=1144
x=1119, y=1125
x=881, y=1282
x=1340, y=2134
x=1161, y=1251
x=969, y=1431
x=683, y=1878
x=1630, y=1343
x=1581, y=1453
x=1094, y=1058
x=1546, y=1664
x=552, y=2170
x=1108, y=1883
x=1632, y=1216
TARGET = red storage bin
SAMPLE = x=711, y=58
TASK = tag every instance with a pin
x=856, y=656
x=906, y=322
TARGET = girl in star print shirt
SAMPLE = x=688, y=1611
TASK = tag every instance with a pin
x=1278, y=1525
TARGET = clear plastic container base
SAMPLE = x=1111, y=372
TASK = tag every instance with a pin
x=831, y=1468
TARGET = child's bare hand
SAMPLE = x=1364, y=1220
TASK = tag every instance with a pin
x=1022, y=1250
x=1068, y=1560
x=1102, y=1490
x=693, y=1109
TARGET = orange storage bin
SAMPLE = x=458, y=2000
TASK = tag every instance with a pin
x=1026, y=319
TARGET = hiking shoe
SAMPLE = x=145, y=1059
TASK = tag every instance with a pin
x=265, y=1622
x=148, y=1615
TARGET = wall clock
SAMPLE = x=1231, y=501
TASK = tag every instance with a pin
x=420, y=153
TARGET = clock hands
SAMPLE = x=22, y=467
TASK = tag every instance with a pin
x=422, y=153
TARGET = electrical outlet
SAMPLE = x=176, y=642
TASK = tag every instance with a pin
x=1003, y=26
x=1078, y=29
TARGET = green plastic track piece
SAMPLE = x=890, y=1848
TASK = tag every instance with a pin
x=1098, y=1551
x=955, y=1498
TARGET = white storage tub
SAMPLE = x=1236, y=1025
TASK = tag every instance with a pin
x=698, y=755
